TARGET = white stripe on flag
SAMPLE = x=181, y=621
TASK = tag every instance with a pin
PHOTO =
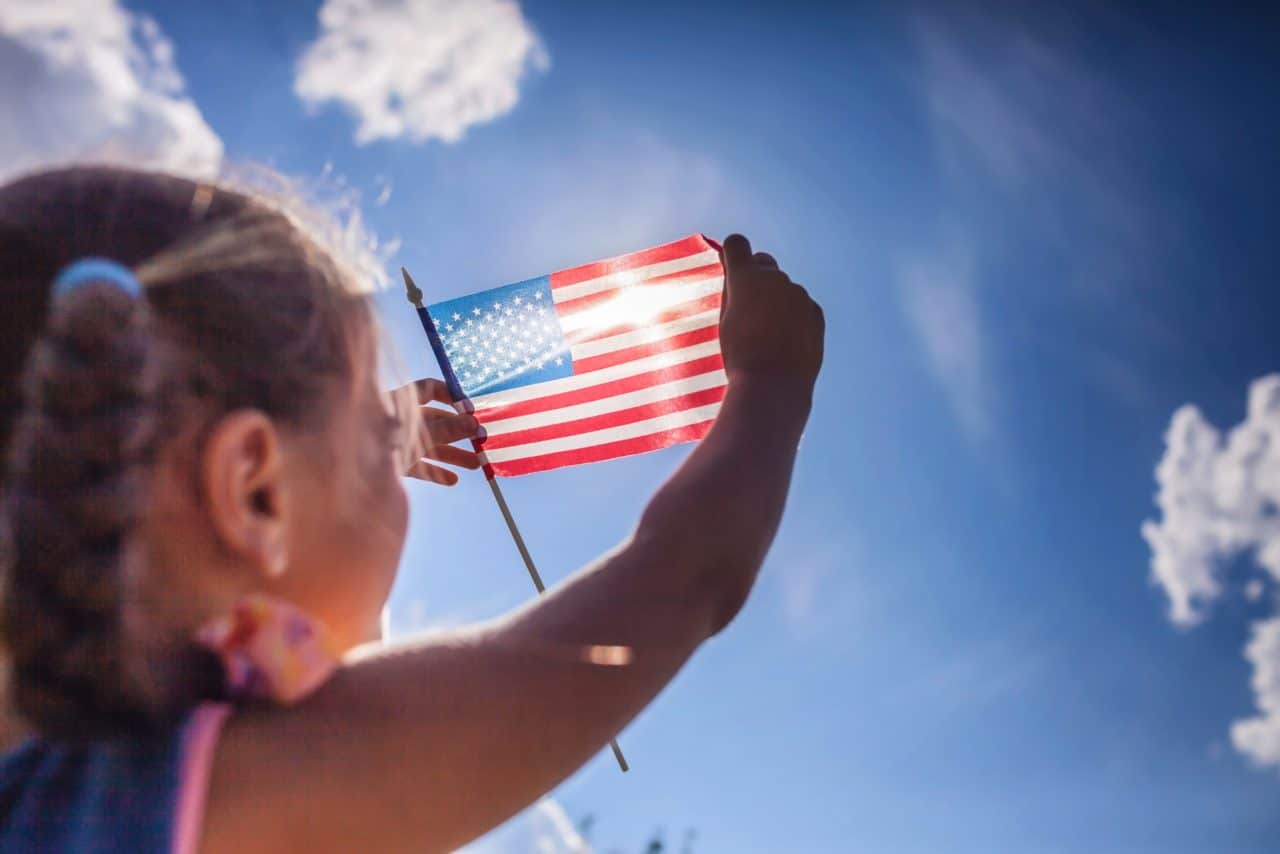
x=592, y=378
x=635, y=305
x=618, y=402
x=646, y=335
x=660, y=424
x=634, y=275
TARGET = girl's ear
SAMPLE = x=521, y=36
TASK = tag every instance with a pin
x=242, y=478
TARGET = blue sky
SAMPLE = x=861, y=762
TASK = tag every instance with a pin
x=1036, y=235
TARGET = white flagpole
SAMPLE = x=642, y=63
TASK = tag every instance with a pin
x=415, y=297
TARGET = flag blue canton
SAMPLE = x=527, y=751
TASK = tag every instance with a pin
x=503, y=338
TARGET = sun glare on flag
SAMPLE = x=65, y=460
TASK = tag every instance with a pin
x=596, y=362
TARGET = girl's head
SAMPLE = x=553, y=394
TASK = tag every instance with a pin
x=223, y=434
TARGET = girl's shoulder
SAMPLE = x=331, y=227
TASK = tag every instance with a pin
x=143, y=794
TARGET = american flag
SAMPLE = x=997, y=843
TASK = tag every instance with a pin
x=600, y=361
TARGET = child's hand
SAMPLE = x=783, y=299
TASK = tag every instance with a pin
x=441, y=428
x=769, y=327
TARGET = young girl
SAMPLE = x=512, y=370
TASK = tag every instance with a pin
x=204, y=515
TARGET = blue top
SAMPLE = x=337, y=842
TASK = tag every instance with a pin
x=137, y=795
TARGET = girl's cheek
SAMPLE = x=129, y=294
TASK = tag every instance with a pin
x=397, y=500
x=401, y=508
x=397, y=527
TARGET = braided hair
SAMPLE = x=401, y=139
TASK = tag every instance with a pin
x=240, y=309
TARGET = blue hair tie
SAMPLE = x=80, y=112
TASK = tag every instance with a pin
x=88, y=270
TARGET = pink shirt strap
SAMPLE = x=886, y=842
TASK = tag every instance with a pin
x=198, y=742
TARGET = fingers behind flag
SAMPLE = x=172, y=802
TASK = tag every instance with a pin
x=432, y=390
x=444, y=426
x=423, y=470
x=440, y=429
x=437, y=431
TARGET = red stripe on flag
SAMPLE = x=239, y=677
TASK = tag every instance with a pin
x=607, y=451
x=691, y=245
x=622, y=385
x=641, y=351
x=607, y=419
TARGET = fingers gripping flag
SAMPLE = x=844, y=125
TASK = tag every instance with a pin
x=601, y=361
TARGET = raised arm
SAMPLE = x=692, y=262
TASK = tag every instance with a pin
x=427, y=745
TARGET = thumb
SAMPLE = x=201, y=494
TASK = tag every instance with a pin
x=735, y=254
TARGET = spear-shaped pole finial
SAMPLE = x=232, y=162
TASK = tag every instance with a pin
x=412, y=291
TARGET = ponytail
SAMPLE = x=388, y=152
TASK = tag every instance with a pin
x=80, y=461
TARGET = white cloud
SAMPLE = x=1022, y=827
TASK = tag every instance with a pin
x=1220, y=499
x=1217, y=499
x=97, y=82
x=941, y=305
x=544, y=828
x=554, y=832
x=1259, y=737
x=421, y=69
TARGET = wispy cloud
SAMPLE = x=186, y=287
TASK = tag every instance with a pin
x=990, y=102
x=666, y=191
x=97, y=82
x=1220, y=499
x=826, y=591
x=419, y=69
x=979, y=672
x=1019, y=117
x=941, y=305
x=1036, y=159
x=803, y=579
